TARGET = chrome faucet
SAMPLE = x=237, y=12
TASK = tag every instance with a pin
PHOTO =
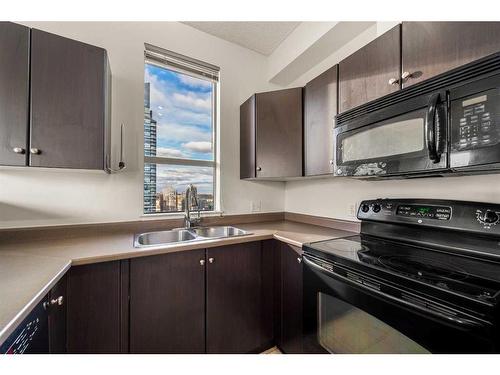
x=191, y=200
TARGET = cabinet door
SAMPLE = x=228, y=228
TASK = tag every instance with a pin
x=431, y=48
x=279, y=133
x=167, y=303
x=57, y=317
x=291, y=299
x=234, y=301
x=247, y=138
x=14, y=93
x=320, y=107
x=364, y=76
x=94, y=308
x=67, y=102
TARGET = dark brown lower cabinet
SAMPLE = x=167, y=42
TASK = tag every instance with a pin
x=57, y=317
x=235, y=299
x=94, y=308
x=290, y=337
x=167, y=303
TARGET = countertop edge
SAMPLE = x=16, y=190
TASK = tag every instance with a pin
x=25, y=311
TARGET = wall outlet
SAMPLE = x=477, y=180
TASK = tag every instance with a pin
x=255, y=206
x=353, y=210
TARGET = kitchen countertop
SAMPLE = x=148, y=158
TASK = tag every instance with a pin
x=29, y=269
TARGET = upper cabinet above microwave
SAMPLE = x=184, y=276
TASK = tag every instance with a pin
x=64, y=85
x=431, y=48
x=370, y=72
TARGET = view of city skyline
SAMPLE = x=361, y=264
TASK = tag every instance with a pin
x=177, y=124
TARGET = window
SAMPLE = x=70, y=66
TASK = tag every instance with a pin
x=180, y=119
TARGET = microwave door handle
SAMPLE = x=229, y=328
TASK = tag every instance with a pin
x=430, y=128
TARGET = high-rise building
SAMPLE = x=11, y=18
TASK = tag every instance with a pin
x=149, y=150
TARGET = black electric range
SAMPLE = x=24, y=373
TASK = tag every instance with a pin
x=423, y=276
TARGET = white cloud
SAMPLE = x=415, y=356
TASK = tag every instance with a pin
x=169, y=152
x=179, y=177
x=193, y=101
x=194, y=82
x=203, y=147
x=173, y=132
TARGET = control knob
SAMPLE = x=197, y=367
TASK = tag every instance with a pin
x=365, y=208
x=489, y=217
x=376, y=208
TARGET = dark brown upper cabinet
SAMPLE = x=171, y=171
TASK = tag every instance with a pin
x=271, y=135
x=431, y=48
x=371, y=72
x=320, y=108
x=69, y=103
x=167, y=303
x=234, y=299
x=14, y=93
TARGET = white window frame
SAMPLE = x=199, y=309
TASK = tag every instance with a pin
x=173, y=61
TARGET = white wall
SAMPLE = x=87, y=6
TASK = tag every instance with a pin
x=30, y=197
x=335, y=197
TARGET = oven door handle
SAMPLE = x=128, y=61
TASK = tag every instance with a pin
x=459, y=320
x=430, y=128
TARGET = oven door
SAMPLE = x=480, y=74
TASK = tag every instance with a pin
x=342, y=316
x=400, y=140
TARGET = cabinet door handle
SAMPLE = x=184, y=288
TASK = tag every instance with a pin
x=19, y=150
x=393, y=81
x=35, y=151
x=211, y=260
x=299, y=260
x=258, y=169
x=202, y=262
x=405, y=75
x=59, y=301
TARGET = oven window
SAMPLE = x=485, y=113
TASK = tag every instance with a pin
x=395, y=138
x=343, y=328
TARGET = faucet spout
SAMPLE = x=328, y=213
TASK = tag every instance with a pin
x=190, y=201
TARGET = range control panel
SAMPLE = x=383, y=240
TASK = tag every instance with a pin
x=429, y=212
x=469, y=216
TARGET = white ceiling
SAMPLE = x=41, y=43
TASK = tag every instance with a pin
x=262, y=37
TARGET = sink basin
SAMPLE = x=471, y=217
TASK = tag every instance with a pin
x=218, y=232
x=178, y=236
x=164, y=237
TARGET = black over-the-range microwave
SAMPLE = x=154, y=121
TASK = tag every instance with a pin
x=449, y=124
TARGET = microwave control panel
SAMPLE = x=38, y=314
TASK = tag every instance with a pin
x=474, y=121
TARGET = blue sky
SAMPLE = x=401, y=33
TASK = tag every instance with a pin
x=182, y=107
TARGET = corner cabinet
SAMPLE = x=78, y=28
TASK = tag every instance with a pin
x=271, y=135
x=54, y=100
x=431, y=48
x=371, y=72
x=94, y=308
x=320, y=108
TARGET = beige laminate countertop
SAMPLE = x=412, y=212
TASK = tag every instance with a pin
x=29, y=269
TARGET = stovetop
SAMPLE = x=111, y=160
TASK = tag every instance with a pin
x=471, y=277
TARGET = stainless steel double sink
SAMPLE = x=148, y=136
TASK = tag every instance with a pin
x=180, y=236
